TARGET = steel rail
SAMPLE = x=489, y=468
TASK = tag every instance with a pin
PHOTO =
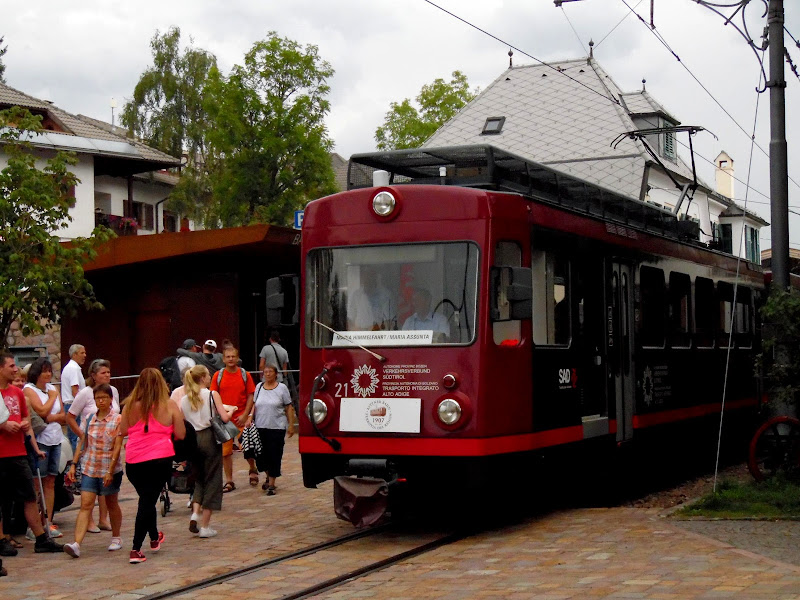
x=241, y=571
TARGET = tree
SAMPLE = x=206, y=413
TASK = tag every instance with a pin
x=167, y=109
x=268, y=147
x=406, y=127
x=3, y=50
x=42, y=279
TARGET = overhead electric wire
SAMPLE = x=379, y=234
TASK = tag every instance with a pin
x=580, y=41
x=794, y=39
x=615, y=26
x=540, y=61
x=732, y=319
x=663, y=41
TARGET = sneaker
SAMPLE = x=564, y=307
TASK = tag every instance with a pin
x=73, y=549
x=29, y=535
x=47, y=546
x=116, y=544
x=6, y=548
x=155, y=545
x=207, y=532
x=193, y=523
x=137, y=557
x=54, y=532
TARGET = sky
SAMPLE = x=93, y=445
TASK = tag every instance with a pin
x=81, y=54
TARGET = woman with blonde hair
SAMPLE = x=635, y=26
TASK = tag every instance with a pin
x=199, y=406
x=149, y=420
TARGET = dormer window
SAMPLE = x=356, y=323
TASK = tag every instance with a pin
x=493, y=125
x=669, y=144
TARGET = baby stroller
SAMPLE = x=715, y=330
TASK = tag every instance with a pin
x=181, y=481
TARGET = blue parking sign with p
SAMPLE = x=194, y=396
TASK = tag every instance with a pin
x=298, y=219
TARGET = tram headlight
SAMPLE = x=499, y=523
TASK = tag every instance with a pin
x=320, y=410
x=383, y=204
x=449, y=411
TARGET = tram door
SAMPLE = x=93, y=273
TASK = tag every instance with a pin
x=619, y=345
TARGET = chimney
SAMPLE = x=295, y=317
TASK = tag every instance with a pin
x=724, y=174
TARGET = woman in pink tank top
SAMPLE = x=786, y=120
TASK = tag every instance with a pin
x=151, y=422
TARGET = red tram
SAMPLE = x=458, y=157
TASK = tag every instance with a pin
x=475, y=308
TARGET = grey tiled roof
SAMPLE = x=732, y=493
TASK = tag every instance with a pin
x=81, y=126
x=642, y=103
x=565, y=115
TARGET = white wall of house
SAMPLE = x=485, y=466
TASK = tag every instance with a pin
x=112, y=193
x=83, y=212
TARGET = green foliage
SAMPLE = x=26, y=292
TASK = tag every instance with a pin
x=780, y=358
x=256, y=138
x=167, y=109
x=406, y=127
x=774, y=498
x=3, y=50
x=43, y=279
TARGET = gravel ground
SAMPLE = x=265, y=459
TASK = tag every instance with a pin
x=779, y=540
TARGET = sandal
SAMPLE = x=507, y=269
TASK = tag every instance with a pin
x=228, y=487
x=253, y=477
x=14, y=543
x=271, y=490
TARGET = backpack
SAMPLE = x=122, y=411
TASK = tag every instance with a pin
x=241, y=370
x=172, y=374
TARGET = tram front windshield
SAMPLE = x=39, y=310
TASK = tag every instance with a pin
x=398, y=295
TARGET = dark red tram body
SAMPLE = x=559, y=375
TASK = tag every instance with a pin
x=624, y=325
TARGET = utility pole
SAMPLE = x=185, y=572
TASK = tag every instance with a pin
x=778, y=164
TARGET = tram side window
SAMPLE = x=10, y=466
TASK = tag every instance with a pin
x=551, y=299
x=744, y=318
x=725, y=315
x=680, y=287
x=652, y=309
x=507, y=333
x=705, y=312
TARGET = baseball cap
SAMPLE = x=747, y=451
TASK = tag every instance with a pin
x=211, y=344
x=189, y=343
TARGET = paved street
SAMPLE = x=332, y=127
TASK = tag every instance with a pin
x=577, y=553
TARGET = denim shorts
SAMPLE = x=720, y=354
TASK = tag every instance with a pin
x=95, y=485
x=50, y=463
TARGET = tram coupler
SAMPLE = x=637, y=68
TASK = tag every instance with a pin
x=362, y=497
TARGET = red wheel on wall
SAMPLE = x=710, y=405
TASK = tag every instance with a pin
x=775, y=449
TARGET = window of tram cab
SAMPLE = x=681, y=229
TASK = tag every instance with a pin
x=705, y=313
x=744, y=318
x=725, y=315
x=551, y=299
x=652, y=308
x=680, y=287
x=507, y=333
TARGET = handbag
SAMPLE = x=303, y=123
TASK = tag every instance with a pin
x=221, y=433
x=251, y=442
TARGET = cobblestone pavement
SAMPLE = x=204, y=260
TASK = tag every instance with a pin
x=620, y=552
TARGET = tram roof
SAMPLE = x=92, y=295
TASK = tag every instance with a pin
x=488, y=167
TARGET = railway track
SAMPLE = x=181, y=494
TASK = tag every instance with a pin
x=322, y=586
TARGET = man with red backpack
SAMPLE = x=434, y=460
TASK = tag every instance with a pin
x=236, y=388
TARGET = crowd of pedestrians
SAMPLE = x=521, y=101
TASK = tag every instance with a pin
x=137, y=435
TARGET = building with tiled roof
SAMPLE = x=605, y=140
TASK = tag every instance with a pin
x=119, y=176
x=572, y=117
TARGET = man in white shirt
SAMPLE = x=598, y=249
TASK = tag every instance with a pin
x=72, y=382
x=424, y=320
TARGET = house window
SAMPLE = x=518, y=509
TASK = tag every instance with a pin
x=493, y=125
x=170, y=221
x=751, y=243
x=144, y=215
x=669, y=144
x=726, y=237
